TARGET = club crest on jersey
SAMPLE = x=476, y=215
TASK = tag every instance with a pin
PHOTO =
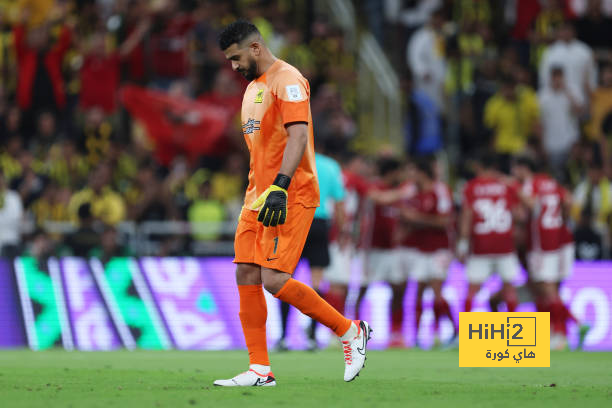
x=259, y=96
x=250, y=126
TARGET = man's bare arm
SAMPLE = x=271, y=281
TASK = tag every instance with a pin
x=465, y=221
x=385, y=197
x=440, y=221
x=296, y=145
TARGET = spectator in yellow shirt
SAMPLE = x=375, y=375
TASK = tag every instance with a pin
x=601, y=107
x=51, y=206
x=106, y=204
x=206, y=215
x=9, y=158
x=38, y=11
x=65, y=166
x=512, y=114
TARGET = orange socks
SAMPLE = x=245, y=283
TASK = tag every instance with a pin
x=253, y=315
x=254, y=312
x=307, y=301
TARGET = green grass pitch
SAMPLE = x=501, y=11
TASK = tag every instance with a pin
x=390, y=379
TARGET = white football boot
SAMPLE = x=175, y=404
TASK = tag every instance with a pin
x=248, y=379
x=355, y=350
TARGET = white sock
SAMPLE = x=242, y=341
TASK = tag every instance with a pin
x=350, y=334
x=260, y=369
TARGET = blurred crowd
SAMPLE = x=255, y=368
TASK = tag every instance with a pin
x=516, y=77
x=101, y=102
x=126, y=110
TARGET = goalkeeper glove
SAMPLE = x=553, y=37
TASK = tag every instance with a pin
x=273, y=202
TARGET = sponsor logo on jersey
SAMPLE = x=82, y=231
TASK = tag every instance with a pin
x=250, y=126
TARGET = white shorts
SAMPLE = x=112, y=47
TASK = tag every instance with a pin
x=568, y=256
x=480, y=267
x=339, y=269
x=408, y=260
x=545, y=266
x=383, y=265
x=432, y=265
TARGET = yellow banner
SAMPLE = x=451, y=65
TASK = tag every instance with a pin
x=488, y=339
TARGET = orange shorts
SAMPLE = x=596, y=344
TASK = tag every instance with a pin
x=277, y=247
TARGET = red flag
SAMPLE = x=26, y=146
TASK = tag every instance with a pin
x=177, y=125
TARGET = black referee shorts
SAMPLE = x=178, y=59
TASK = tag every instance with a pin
x=316, y=249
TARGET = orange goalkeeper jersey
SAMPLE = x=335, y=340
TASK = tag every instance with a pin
x=278, y=97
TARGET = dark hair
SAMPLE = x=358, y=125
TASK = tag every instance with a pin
x=526, y=161
x=346, y=156
x=425, y=164
x=487, y=159
x=387, y=165
x=235, y=33
x=84, y=211
x=556, y=70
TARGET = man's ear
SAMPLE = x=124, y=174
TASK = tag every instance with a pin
x=255, y=48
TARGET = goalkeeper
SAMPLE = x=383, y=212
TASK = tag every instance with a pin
x=279, y=204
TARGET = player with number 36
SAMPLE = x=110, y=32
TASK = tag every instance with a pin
x=486, y=237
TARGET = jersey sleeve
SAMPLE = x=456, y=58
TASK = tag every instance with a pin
x=292, y=93
x=358, y=183
x=512, y=196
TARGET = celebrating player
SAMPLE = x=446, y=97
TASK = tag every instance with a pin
x=279, y=204
x=431, y=221
x=405, y=239
x=486, y=232
x=545, y=199
x=381, y=262
x=407, y=252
